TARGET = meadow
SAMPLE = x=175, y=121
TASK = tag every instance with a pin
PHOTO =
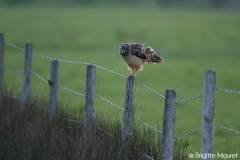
x=190, y=41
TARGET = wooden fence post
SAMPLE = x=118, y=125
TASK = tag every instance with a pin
x=168, y=131
x=1, y=66
x=89, y=115
x=208, y=113
x=27, y=76
x=127, y=116
x=53, y=82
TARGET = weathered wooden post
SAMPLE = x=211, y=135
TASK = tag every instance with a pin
x=53, y=82
x=168, y=131
x=1, y=66
x=208, y=114
x=127, y=116
x=27, y=76
x=89, y=115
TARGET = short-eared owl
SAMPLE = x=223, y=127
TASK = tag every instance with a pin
x=135, y=55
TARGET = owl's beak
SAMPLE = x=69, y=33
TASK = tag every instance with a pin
x=123, y=54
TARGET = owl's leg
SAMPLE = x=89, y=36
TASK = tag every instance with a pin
x=134, y=71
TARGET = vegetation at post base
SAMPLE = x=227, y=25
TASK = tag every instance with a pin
x=32, y=135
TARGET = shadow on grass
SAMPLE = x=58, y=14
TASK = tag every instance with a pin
x=32, y=135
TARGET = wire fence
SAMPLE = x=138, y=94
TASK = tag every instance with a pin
x=108, y=101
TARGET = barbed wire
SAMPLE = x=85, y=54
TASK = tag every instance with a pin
x=19, y=98
x=85, y=63
x=105, y=132
x=14, y=46
x=104, y=99
x=114, y=105
x=81, y=94
x=188, y=133
x=59, y=87
x=228, y=91
x=150, y=89
x=229, y=129
x=73, y=121
x=14, y=71
x=219, y=126
x=105, y=69
x=40, y=77
x=71, y=91
x=147, y=156
x=116, y=73
x=190, y=98
x=110, y=71
x=144, y=123
x=39, y=106
x=12, y=96
x=44, y=57
x=81, y=63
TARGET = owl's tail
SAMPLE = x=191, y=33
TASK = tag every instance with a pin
x=153, y=58
x=156, y=59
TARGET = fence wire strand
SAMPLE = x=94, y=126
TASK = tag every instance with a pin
x=39, y=77
x=144, y=123
x=12, y=96
x=189, y=99
x=60, y=87
x=71, y=91
x=150, y=89
x=188, y=133
x=106, y=100
x=229, y=129
x=14, y=46
x=44, y=57
x=228, y=91
x=19, y=98
x=14, y=71
x=116, y=106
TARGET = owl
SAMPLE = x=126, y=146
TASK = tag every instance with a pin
x=135, y=55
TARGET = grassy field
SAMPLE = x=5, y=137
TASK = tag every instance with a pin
x=32, y=135
x=190, y=41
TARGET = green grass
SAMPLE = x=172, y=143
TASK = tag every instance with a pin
x=190, y=41
x=30, y=134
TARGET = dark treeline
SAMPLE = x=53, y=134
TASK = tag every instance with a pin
x=228, y=4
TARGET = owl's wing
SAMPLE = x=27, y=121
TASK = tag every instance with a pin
x=146, y=54
x=137, y=49
x=151, y=56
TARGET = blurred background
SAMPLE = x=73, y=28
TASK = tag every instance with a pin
x=230, y=4
x=190, y=35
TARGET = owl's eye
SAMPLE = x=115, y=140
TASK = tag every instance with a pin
x=123, y=49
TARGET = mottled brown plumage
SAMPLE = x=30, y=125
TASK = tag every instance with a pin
x=135, y=55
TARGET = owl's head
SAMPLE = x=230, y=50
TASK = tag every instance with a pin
x=124, y=49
